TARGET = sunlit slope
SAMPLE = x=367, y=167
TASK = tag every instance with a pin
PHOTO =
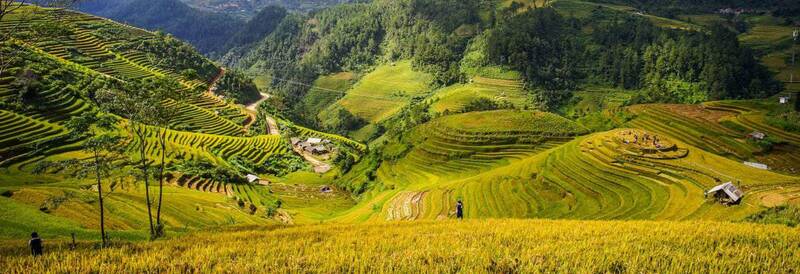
x=380, y=94
x=453, y=98
x=88, y=45
x=493, y=246
x=451, y=148
x=538, y=175
x=582, y=9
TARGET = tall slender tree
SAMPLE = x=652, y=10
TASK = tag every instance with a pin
x=102, y=142
x=138, y=104
x=164, y=116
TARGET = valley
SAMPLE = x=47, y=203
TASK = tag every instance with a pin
x=644, y=136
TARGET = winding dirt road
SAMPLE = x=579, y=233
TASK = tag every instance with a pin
x=252, y=110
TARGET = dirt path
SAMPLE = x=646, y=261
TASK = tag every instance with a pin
x=273, y=126
x=319, y=166
x=252, y=110
x=254, y=106
x=212, y=86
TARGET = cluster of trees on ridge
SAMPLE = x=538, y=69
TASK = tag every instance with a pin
x=627, y=52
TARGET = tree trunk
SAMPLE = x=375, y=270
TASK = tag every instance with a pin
x=143, y=154
x=100, y=197
x=163, y=142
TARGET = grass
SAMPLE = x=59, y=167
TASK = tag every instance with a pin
x=384, y=91
x=487, y=246
x=326, y=90
x=453, y=98
x=76, y=210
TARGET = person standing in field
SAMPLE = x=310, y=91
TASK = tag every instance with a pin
x=36, y=244
x=459, y=210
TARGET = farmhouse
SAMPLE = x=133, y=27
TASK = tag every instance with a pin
x=756, y=165
x=312, y=145
x=783, y=99
x=325, y=189
x=252, y=178
x=756, y=135
x=726, y=193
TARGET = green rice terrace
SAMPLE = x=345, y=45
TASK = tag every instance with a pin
x=59, y=61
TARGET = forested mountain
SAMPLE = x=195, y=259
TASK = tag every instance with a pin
x=207, y=31
x=554, y=49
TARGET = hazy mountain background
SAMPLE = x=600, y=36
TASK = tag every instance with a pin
x=209, y=25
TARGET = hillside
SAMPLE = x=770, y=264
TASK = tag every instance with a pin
x=570, y=135
x=60, y=65
x=209, y=31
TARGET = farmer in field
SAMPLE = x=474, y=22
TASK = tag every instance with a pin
x=36, y=244
x=459, y=210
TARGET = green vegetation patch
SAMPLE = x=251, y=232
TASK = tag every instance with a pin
x=511, y=120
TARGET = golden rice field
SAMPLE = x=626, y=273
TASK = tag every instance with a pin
x=497, y=246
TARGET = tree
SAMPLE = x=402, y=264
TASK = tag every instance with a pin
x=102, y=143
x=165, y=90
x=797, y=101
x=138, y=104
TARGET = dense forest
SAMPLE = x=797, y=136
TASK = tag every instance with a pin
x=627, y=52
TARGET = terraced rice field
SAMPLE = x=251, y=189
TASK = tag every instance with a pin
x=720, y=128
x=451, y=148
x=21, y=134
x=537, y=170
x=215, y=148
x=597, y=177
x=384, y=91
x=469, y=143
x=453, y=98
x=206, y=114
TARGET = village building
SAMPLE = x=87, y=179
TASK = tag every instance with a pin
x=756, y=165
x=756, y=135
x=325, y=189
x=315, y=146
x=783, y=99
x=726, y=193
x=251, y=178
